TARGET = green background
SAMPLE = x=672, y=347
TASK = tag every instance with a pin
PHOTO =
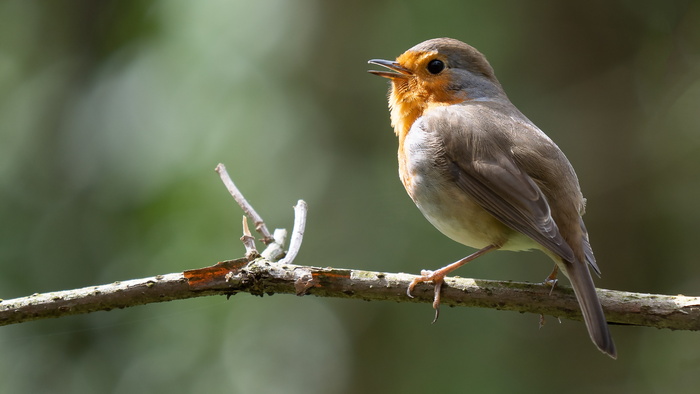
x=113, y=115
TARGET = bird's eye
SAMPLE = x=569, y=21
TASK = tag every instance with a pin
x=435, y=66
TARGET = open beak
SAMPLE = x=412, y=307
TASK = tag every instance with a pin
x=401, y=72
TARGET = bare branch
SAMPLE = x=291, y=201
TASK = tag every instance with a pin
x=248, y=241
x=264, y=277
x=95, y=298
x=244, y=204
x=297, y=232
x=275, y=250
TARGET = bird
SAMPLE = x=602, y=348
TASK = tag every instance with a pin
x=483, y=174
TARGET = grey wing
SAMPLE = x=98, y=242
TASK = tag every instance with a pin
x=587, y=250
x=485, y=168
x=512, y=197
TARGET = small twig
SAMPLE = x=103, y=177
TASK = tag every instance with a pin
x=297, y=232
x=244, y=204
x=251, y=252
x=275, y=251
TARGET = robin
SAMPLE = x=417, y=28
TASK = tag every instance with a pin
x=482, y=173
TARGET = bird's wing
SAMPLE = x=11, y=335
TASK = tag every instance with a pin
x=587, y=250
x=491, y=176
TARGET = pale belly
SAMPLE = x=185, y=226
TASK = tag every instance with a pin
x=450, y=209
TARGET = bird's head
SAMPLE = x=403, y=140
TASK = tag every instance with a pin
x=440, y=71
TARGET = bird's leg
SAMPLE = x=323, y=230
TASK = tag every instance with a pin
x=552, y=280
x=438, y=276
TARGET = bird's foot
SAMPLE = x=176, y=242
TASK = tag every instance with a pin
x=437, y=278
x=552, y=280
x=551, y=283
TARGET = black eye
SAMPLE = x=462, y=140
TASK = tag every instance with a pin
x=435, y=66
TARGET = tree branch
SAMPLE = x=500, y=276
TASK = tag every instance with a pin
x=261, y=274
x=264, y=277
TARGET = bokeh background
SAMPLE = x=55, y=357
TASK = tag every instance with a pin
x=113, y=115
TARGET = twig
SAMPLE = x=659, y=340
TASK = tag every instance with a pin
x=251, y=252
x=275, y=251
x=245, y=205
x=297, y=232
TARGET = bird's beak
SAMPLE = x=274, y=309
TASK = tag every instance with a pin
x=401, y=72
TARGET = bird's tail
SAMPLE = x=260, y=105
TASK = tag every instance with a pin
x=592, y=312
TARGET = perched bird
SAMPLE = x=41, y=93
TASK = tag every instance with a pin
x=482, y=173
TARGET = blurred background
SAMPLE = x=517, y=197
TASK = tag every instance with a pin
x=113, y=115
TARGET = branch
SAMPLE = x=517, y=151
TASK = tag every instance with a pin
x=243, y=203
x=265, y=277
x=297, y=232
x=267, y=274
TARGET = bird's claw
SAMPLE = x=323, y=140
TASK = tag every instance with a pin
x=552, y=283
x=429, y=276
x=425, y=276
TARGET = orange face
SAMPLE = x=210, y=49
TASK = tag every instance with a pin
x=421, y=81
